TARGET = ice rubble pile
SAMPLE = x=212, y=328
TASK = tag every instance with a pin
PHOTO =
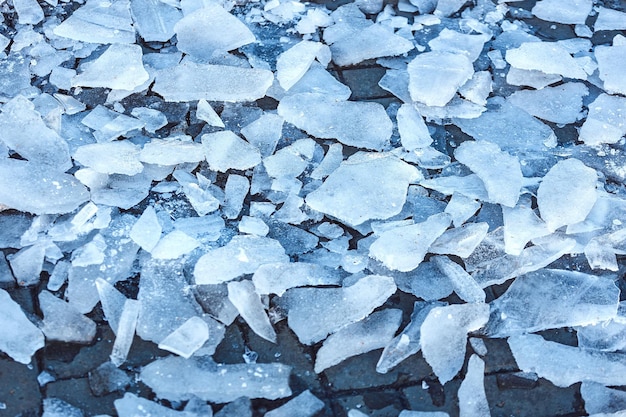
x=152, y=157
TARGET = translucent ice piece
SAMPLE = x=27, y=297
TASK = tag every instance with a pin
x=304, y=405
x=244, y=297
x=607, y=335
x=62, y=322
x=119, y=157
x=605, y=121
x=133, y=406
x=566, y=101
x=460, y=241
x=125, y=331
x=174, y=245
x=547, y=57
x=154, y=19
x=29, y=12
x=172, y=151
x=334, y=308
x=521, y=225
x=610, y=19
x=472, y=397
x=20, y=338
x=188, y=338
x=264, y=133
x=146, y=232
x=276, y=278
x=464, y=285
x=600, y=399
x=112, y=303
x=295, y=62
x=205, y=112
x=570, y=13
x=413, y=131
x=225, y=150
x=129, y=71
x=444, y=336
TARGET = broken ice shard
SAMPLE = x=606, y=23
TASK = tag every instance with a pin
x=177, y=379
x=434, y=77
x=562, y=201
x=276, y=278
x=382, y=177
x=304, y=405
x=553, y=361
x=561, y=104
x=569, y=13
x=358, y=124
x=225, y=150
x=413, y=131
x=37, y=189
x=191, y=81
x=29, y=12
x=547, y=57
x=610, y=19
x=607, y=335
x=295, y=62
x=242, y=255
x=403, y=248
x=521, y=225
x=469, y=186
x=460, y=241
x=112, y=302
x=188, y=338
x=174, y=245
x=129, y=71
x=374, y=41
x=444, y=336
x=62, y=322
x=98, y=22
x=334, y=308
x=549, y=299
x=125, y=331
x=118, y=157
x=499, y=171
x=222, y=32
x=171, y=151
x=146, y=232
x=244, y=297
x=464, y=285
x=373, y=332
x=600, y=399
x=133, y=406
x=610, y=69
x=154, y=19
x=472, y=397
x=605, y=121
x=20, y=338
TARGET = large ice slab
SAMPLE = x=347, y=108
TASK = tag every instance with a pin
x=499, y=171
x=547, y=57
x=551, y=298
x=605, y=121
x=434, y=77
x=562, y=201
x=373, y=332
x=403, y=248
x=313, y=313
x=178, y=379
x=569, y=13
x=444, y=336
x=561, y=104
x=242, y=255
x=276, y=278
x=37, y=189
x=383, y=178
x=129, y=71
x=553, y=361
x=190, y=81
x=63, y=323
x=20, y=338
x=98, y=22
x=374, y=41
x=222, y=32
x=359, y=124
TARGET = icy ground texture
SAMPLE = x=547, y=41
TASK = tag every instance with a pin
x=241, y=200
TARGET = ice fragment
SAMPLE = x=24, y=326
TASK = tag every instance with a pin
x=245, y=298
x=20, y=338
x=188, y=338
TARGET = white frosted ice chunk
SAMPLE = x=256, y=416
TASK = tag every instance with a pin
x=569, y=13
x=500, y=172
x=459, y=43
x=304, y=405
x=358, y=124
x=600, y=399
x=373, y=332
x=608, y=335
x=374, y=41
x=276, y=278
x=154, y=19
x=187, y=339
x=190, y=81
x=464, y=285
x=118, y=157
x=242, y=255
x=222, y=32
x=172, y=151
x=561, y=104
x=264, y=133
x=253, y=226
x=29, y=12
x=531, y=78
x=27, y=264
x=553, y=361
x=20, y=338
x=549, y=299
x=91, y=253
x=318, y=80
x=146, y=232
x=478, y=345
x=153, y=119
x=434, y=77
x=205, y=112
x=413, y=131
x=291, y=160
x=235, y=192
x=460, y=241
x=296, y=61
x=521, y=225
x=562, y=201
x=610, y=19
x=407, y=342
x=37, y=189
x=403, y=248
x=215, y=383
x=461, y=208
x=612, y=73
x=64, y=323
x=125, y=331
x=472, y=397
x=58, y=276
x=477, y=88
x=469, y=186
x=448, y=7
x=133, y=406
x=332, y=160
x=225, y=150
x=444, y=336
x=174, y=245
x=547, y=57
x=99, y=22
x=334, y=308
x=408, y=413
x=112, y=302
x=55, y=407
x=605, y=121
x=382, y=177
x=128, y=74
x=23, y=130
x=245, y=298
